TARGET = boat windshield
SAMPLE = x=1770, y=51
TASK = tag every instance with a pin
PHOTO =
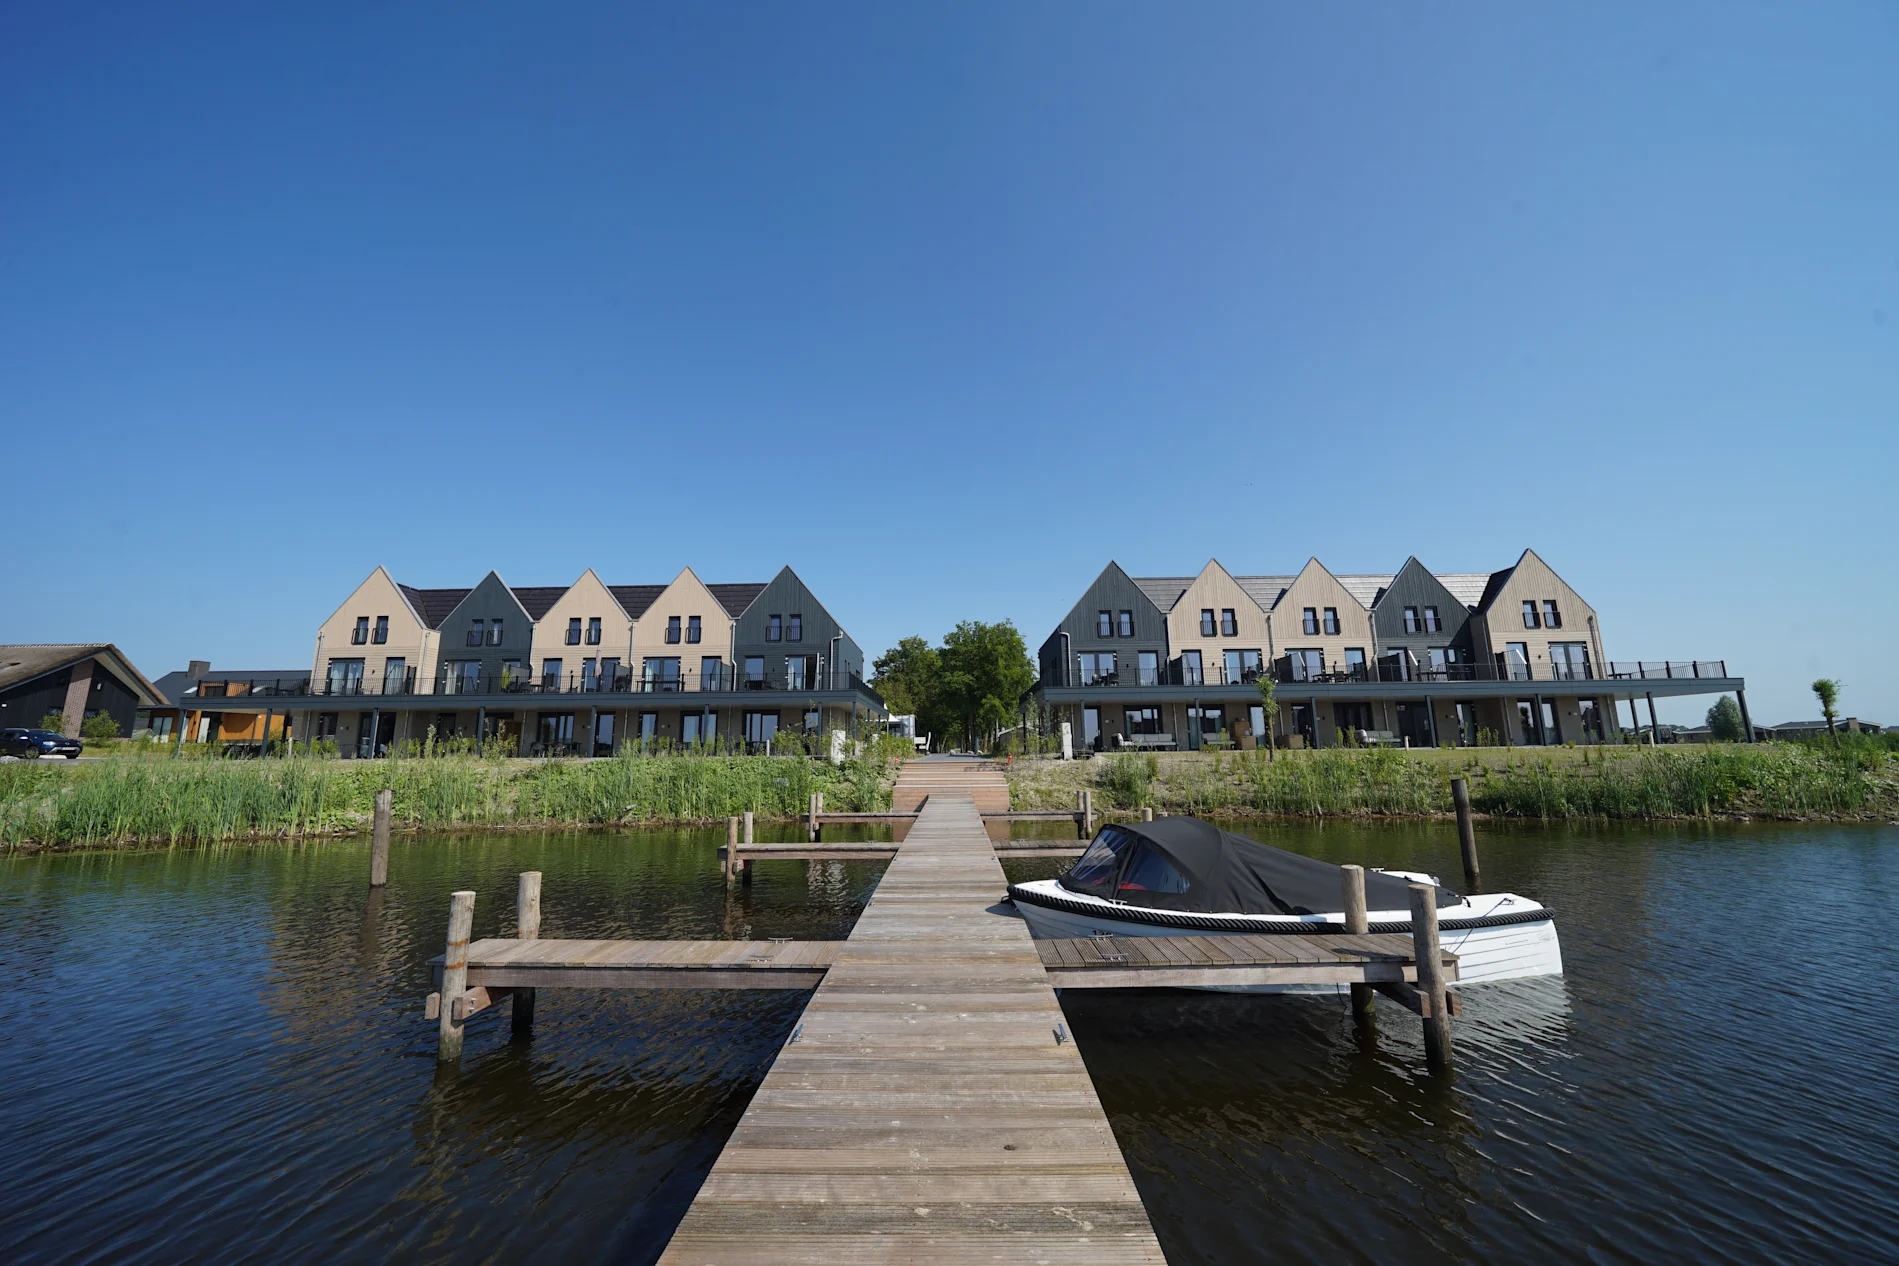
x=1095, y=871
x=1148, y=871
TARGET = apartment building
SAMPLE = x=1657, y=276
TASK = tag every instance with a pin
x=1414, y=657
x=583, y=669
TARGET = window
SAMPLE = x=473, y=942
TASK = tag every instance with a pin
x=760, y=727
x=1208, y=721
x=1311, y=621
x=1206, y=622
x=610, y=675
x=395, y=676
x=1097, y=668
x=649, y=726
x=477, y=632
x=755, y=672
x=1412, y=624
x=512, y=678
x=550, y=674
x=593, y=631
x=775, y=629
x=1590, y=718
x=573, y=631
x=1190, y=670
x=1142, y=721
x=811, y=721
x=1355, y=662
x=1530, y=620
x=1442, y=657
x=1307, y=665
x=796, y=632
x=661, y=673
x=711, y=673
x=360, y=634
x=1332, y=621
x=1229, y=622
x=461, y=677
x=1569, y=661
x=345, y=677
x=1552, y=618
x=1104, y=624
x=603, y=734
x=326, y=726
x=1148, y=871
x=1431, y=622
x=557, y=730
x=1127, y=624
x=1095, y=871
x=494, y=631
x=693, y=630
x=1516, y=660
x=1241, y=667
x=588, y=682
x=382, y=630
x=672, y=630
x=699, y=727
x=1149, y=662
x=799, y=672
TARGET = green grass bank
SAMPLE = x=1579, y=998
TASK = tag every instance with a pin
x=114, y=803
x=1776, y=780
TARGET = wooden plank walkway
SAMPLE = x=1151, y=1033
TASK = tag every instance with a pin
x=929, y=1107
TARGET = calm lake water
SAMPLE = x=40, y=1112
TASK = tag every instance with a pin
x=220, y=1056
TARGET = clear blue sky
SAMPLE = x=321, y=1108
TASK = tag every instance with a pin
x=946, y=306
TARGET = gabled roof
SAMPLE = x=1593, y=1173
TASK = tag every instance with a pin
x=24, y=662
x=736, y=598
x=538, y=601
x=432, y=606
x=1163, y=591
x=634, y=599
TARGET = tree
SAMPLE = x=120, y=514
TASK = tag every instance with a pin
x=1269, y=706
x=1827, y=691
x=985, y=671
x=908, y=676
x=1724, y=721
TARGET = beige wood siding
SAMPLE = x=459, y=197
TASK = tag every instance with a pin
x=408, y=640
x=686, y=597
x=1317, y=588
x=1214, y=589
x=1534, y=581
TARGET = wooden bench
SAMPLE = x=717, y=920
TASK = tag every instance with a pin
x=1161, y=742
x=1377, y=738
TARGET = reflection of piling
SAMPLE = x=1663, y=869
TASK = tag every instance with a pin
x=1357, y=923
x=461, y=922
x=1424, y=945
x=379, y=841
x=731, y=851
x=1466, y=835
x=527, y=927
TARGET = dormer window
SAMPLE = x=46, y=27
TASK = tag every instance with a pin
x=382, y=630
x=593, y=631
x=796, y=632
x=692, y=628
x=775, y=628
x=672, y=629
x=1332, y=621
x=360, y=634
x=1411, y=622
x=1206, y=622
x=1552, y=618
x=1311, y=621
x=1530, y=620
x=1229, y=622
x=494, y=631
x=573, y=631
x=1431, y=623
x=477, y=632
x=1127, y=624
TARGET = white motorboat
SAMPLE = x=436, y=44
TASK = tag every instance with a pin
x=1186, y=877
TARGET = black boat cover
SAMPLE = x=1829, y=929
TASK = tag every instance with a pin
x=1188, y=864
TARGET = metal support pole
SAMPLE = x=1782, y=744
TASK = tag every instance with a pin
x=1747, y=723
x=1364, y=1001
x=379, y=839
x=527, y=927
x=1424, y=947
x=263, y=744
x=1430, y=718
x=481, y=728
x=375, y=729
x=461, y=922
x=1466, y=836
x=1654, y=726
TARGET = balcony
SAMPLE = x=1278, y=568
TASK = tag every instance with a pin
x=728, y=681
x=1288, y=671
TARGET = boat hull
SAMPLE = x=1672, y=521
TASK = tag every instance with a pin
x=1510, y=951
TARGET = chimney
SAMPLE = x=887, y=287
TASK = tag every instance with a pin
x=197, y=668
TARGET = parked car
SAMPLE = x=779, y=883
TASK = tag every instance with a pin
x=35, y=743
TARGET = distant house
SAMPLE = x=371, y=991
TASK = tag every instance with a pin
x=193, y=699
x=76, y=681
x=1792, y=731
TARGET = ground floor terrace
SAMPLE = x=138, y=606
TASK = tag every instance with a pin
x=1526, y=713
x=559, y=724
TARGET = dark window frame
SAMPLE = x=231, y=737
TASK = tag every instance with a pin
x=774, y=628
x=379, y=636
x=1104, y=623
x=695, y=630
x=794, y=627
x=573, y=631
x=672, y=630
x=359, y=636
x=1309, y=621
x=1229, y=622
x=1552, y=615
x=1207, y=625
x=1124, y=624
x=593, y=631
x=1332, y=625
x=1531, y=620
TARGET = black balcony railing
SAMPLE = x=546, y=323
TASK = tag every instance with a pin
x=728, y=679
x=1397, y=669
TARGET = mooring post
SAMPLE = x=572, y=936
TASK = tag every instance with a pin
x=1087, y=815
x=1357, y=923
x=1424, y=947
x=1466, y=836
x=1147, y=815
x=817, y=822
x=461, y=921
x=811, y=816
x=379, y=840
x=731, y=851
x=745, y=867
x=527, y=927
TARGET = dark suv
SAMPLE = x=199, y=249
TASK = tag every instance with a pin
x=32, y=743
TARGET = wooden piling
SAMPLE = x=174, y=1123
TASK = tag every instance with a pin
x=1147, y=815
x=461, y=922
x=379, y=841
x=1087, y=815
x=745, y=867
x=811, y=816
x=1424, y=946
x=731, y=851
x=527, y=927
x=1466, y=836
x=1357, y=923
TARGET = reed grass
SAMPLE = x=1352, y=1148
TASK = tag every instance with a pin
x=197, y=801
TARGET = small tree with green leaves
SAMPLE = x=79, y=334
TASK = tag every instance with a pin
x=99, y=728
x=1724, y=721
x=54, y=721
x=1268, y=707
x=1827, y=691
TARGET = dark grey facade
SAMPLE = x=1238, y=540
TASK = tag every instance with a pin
x=1415, y=590
x=831, y=654
x=487, y=602
x=1079, y=632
